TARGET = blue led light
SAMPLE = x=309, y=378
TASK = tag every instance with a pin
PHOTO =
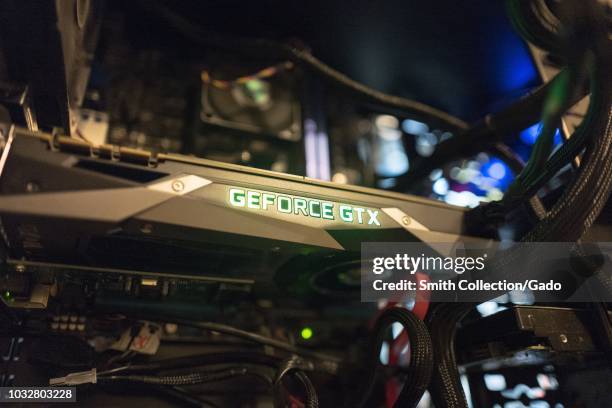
x=414, y=127
x=441, y=186
x=498, y=171
x=558, y=140
x=530, y=135
x=514, y=65
x=393, y=160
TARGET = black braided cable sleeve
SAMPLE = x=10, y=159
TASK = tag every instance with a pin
x=181, y=379
x=312, y=400
x=445, y=388
x=572, y=215
x=420, y=366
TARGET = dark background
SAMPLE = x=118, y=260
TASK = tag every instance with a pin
x=462, y=57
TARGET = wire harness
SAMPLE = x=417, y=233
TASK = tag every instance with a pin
x=420, y=366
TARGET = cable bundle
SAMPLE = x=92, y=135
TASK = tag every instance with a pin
x=421, y=357
x=569, y=218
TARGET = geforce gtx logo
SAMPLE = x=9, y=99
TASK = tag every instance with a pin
x=307, y=207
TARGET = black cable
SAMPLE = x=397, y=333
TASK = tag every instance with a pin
x=578, y=47
x=295, y=367
x=442, y=319
x=554, y=108
x=540, y=167
x=516, y=164
x=485, y=219
x=531, y=177
x=418, y=373
x=583, y=199
x=486, y=132
x=199, y=377
x=536, y=23
x=569, y=218
x=222, y=357
x=331, y=361
x=305, y=58
x=569, y=150
x=312, y=399
x=428, y=113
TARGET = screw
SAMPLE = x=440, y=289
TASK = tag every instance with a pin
x=563, y=338
x=178, y=186
x=406, y=220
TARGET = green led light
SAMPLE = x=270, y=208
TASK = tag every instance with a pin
x=306, y=333
x=258, y=91
x=255, y=85
x=303, y=207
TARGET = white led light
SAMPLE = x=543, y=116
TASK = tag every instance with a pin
x=495, y=382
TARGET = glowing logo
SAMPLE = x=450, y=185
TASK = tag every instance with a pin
x=306, y=207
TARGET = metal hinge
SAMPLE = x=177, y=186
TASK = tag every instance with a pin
x=110, y=152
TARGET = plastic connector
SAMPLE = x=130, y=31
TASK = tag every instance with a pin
x=83, y=377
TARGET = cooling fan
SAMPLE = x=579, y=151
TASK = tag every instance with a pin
x=265, y=102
